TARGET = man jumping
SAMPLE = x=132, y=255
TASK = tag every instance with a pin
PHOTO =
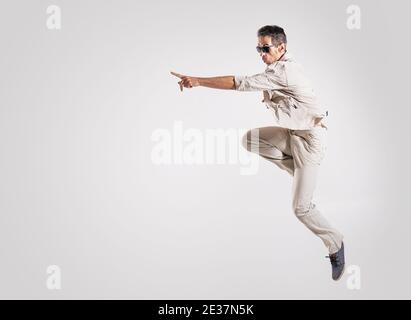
x=297, y=144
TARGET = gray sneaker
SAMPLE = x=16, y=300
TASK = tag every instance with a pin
x=337, y=263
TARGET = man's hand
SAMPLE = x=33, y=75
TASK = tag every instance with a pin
x=223, y=82
x=186, y=81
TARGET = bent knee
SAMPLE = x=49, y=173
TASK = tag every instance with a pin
x=250, y=138
x=246, y=140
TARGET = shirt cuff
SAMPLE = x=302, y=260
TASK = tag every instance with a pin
x=238, y=81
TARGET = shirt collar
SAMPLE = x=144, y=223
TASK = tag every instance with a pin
x=286, y=57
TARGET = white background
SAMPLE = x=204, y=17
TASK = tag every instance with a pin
x=78, y=188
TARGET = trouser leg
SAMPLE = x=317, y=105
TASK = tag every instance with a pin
x=304, y=183
x=271, y=143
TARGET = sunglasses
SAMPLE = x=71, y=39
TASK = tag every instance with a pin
x=265, y=49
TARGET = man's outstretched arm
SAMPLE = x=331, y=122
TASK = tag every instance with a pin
x=223, y=82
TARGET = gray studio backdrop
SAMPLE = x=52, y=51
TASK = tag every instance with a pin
x=82, y=199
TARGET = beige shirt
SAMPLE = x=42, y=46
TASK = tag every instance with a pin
x=287, y=94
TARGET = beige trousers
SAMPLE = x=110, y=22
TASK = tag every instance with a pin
x=299, y=152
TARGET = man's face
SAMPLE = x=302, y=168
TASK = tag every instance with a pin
x=274, y=54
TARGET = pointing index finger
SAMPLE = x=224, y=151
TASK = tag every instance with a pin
x=177, y=74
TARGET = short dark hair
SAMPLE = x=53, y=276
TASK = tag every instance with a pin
x=276, y=33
